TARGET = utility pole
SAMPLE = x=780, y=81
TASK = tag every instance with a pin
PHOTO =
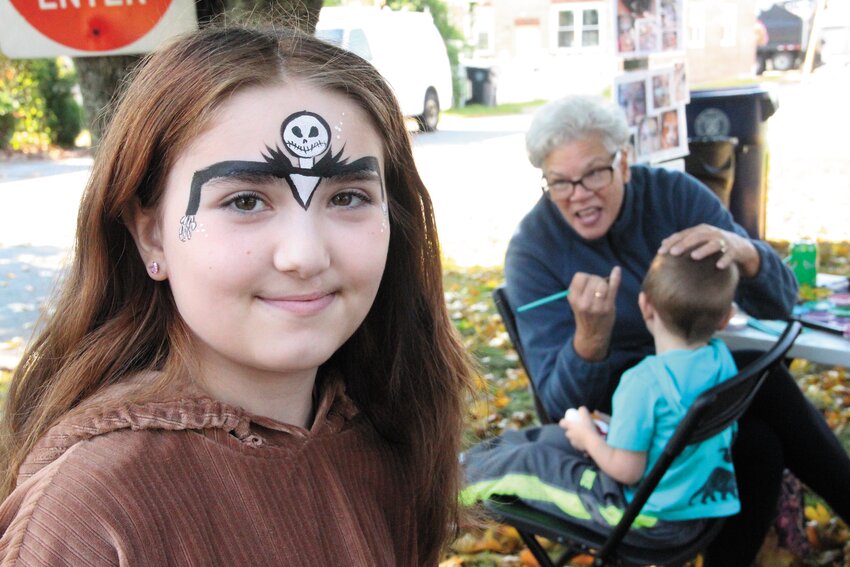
x=814, y=38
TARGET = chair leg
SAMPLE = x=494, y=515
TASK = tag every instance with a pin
x=540, y=554
x=568, y=555
x=536, y=549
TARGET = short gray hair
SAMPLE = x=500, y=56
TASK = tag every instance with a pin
x=574, y=118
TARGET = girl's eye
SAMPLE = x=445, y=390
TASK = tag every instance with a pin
x=245, y=202
x=350, y=199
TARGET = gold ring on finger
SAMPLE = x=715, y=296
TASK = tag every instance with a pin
x=722, y=244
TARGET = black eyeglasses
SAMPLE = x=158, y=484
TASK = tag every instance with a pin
x=593, y=181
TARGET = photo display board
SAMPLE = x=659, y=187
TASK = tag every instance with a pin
x=645, y=27
x=655, y=96
x=654, y=102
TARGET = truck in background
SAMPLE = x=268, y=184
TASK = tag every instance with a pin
x=784, y=36
x=405, y=47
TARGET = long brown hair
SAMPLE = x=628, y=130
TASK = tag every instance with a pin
x=404, y=366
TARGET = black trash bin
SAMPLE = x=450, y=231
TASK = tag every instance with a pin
x=741, y=113
x=483, y=81
x=711, y=159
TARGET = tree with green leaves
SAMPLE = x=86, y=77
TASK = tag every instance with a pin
x=37, y=105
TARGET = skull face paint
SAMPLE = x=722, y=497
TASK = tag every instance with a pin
x=306, y=136
x=270, y=286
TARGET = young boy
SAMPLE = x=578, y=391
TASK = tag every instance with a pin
x=591, y=478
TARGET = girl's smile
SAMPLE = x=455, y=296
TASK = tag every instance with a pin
x=304, y=305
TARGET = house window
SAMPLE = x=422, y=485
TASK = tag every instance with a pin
x=483, y=41
x=728, y=24
x=576, y=27
x=483, y=25
x=696, y=25
x=566, y=29
x=590, y=27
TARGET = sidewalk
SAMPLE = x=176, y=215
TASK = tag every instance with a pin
x=38, y=204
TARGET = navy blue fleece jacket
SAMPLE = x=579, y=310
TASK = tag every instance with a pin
x=545, y=253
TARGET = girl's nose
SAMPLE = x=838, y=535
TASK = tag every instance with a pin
x=301, y=248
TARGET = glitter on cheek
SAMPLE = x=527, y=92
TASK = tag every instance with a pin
x=338, y=126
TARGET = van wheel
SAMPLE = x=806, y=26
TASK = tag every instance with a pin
x=430, y=112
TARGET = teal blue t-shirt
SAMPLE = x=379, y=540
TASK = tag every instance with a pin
x=648, y=405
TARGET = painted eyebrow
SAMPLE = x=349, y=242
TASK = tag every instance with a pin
x=257, y=171
x=242, y=178
x=247, y=171
x=365, y=168
x=362, y=174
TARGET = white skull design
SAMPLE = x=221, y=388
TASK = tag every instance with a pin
x=306, y=136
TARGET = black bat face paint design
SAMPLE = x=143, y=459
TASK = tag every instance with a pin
x=306, y=136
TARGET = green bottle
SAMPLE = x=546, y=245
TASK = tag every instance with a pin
x=803, y=259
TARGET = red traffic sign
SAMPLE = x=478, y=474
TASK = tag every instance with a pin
x=92, y=25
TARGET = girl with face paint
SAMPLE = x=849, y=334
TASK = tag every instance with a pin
x=250, y=362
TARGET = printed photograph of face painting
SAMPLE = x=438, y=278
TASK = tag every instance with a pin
x=637, y=9
x=631, y=96
x=680, y=84
x=661, y=99
x=670, y=130
x=637, y=26
x=672, y=26
x=647, y=32
x=626, y=42
x=669, y=40
x=647, y=138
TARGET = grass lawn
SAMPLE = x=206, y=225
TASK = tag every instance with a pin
x=475, y=110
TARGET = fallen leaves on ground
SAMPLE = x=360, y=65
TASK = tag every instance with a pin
x=503, y=402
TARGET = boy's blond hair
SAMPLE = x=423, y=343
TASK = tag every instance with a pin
x=692, y=297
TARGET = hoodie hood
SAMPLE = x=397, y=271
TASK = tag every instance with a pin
x=181, y=408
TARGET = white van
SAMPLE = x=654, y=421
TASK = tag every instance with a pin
x=405, y=47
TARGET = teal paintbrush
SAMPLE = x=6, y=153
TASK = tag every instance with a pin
x=543, y=301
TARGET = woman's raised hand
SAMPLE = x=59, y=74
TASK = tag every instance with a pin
x=592, y=299
x=705, y=239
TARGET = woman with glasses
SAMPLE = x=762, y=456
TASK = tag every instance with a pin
x=594, y=232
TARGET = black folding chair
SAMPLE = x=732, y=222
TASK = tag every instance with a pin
x=712, y=412
x=505, y=310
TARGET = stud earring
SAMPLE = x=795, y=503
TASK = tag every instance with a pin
x=153, y=268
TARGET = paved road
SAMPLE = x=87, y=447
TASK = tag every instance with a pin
x=481, y=184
